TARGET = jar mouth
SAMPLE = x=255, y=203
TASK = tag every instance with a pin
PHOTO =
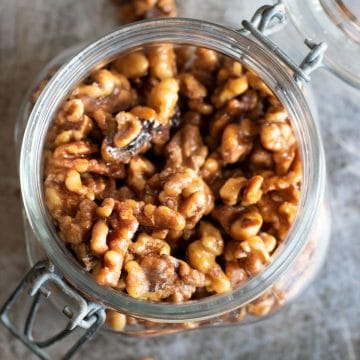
x=185, y=32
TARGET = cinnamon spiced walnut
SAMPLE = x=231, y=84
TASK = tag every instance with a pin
x=172, y=173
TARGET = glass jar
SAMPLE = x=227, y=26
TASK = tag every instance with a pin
x=295, y=262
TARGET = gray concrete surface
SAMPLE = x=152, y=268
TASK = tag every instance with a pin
x=325, y=321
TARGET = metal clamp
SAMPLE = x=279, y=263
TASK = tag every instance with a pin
x=86, y=315
x=267, y=19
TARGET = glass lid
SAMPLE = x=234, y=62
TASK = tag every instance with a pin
x=337, y=23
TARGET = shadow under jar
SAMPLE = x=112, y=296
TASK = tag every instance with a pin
x=295, y=261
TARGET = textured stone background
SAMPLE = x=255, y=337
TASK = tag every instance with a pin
x=325, y=321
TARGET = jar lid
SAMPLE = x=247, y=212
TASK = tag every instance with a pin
x=337, y=23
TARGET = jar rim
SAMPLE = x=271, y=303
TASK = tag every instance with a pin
x=189, y=32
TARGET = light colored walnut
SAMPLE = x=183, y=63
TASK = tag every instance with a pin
x=162, y=63
x=109, y=274
x=190, y=87
x=247, y=225
x=202, y=255
x=237, y=141
x=115, y=320
x=98, y=239
x=132, y=65
x=140, y=169
x=163, y=98
x=277, y=136
x=232, y=88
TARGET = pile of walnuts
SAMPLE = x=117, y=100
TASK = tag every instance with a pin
x=172, y=173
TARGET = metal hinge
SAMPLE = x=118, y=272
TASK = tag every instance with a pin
x=268, y=19
x=40, y=281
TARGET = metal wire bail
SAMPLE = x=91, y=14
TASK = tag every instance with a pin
x=38, y=282
x=268, y=19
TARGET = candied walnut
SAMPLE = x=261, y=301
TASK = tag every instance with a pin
x=95, y=185
x=252, y=191
x=75, y=230
x=235, y=273
x=162, y=217
x=211, y=169
x=106, y=208
x=158, y=277
x=202, y=255
x=232, y=88
x=103, y=85
x=269, y=241
x=131, y=213
x=146, y=9
x=135, y=130
x=83, y=165
x=256, y=83
x=115, y=320
x=261, y=159
x=132, y=65
x=278, y=208
x=110, y=90
x=162, y=63
x=226, y=215
x=266, y=303
x=231, y=190
x=190, y=87
x=247, y=225
x=78, y=131
x=58, y=199
x=137, y=284
x=229, y=69
x=127, y=223
x=73, y=183
x=276, y=114
x=233, y=109
x=200, y=106
x=140, y=170
x=109, y=274
x=248, y=190
x=163, y=98
x=186, y=192
x=206, y=59
x=98, y=241
x=237, y=141
x=73, y=110
x=184, y=56
x=76, y=149
x=283, y=160
x=71, y=124
x=276, y=136
x=146, y=245
x=251, y=254
x=105, y=121
x=186, y=149
x=128, y=129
